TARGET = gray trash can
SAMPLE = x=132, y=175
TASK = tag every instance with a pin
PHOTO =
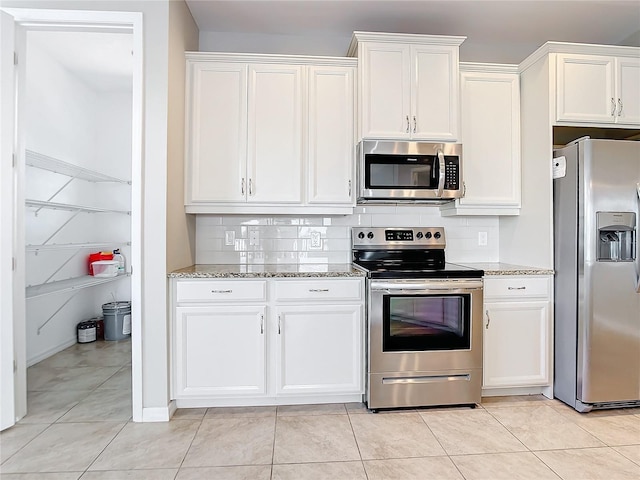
x=117, y=320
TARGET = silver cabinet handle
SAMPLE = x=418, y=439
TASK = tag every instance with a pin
x=242, y=186
x=486, y=327
x=516, y=288
x=349, y=188
x=613, y=107
x=279, y=324
x=407, y=123
x=620, y=107
x=250, y=187
x=464, y=188
x=415, y=124
x=261, y=324
x=318, y=289
x=221, y=291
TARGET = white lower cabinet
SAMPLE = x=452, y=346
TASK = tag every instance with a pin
x=517, y=335
x=319, y=349
x=220, y=350
x=296, y=340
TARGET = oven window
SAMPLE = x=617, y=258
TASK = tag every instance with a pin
x=426, y=322
x=393, y=172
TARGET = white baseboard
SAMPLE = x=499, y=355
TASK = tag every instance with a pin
x=500, y=392
x=205, y=402
x=51, y=351
x=158, y=414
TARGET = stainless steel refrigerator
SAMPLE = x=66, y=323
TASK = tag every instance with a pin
x=596, y=199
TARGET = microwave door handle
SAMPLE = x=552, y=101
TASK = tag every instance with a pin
x=441, y=173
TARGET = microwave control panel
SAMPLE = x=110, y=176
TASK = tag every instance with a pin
x=451, y=173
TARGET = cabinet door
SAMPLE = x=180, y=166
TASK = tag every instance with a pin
x=219, y=351
x=330, y=146
x=319, y=349
x=434, y=89
x=628, y=88
x=385, y=95
x=491, y=139
x=516, y=349
x=275, y=134
x=216, y=132
x=585, y=89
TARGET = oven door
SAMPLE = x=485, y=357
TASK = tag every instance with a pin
x=425, y=325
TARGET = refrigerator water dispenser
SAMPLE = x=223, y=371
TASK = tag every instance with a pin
x=617, y=236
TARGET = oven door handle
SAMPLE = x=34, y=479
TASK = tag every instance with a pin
x=428, y=287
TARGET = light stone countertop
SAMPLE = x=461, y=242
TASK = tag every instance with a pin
x=498, y=268
x=268, y=271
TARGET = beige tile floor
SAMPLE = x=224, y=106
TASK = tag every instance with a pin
x=79, y=427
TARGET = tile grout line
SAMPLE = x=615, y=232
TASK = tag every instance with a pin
x=442, y=446
x=103, y=450
x=355, y=438
x=22, y=447
x=190, y=443
x=273, y=448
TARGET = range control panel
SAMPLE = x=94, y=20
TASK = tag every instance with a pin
x=397, y=237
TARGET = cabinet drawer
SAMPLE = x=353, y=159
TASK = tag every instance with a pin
x=516, y=287
x=220, y=291
x=333, y=289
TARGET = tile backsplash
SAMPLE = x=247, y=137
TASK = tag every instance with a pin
x=268, y=239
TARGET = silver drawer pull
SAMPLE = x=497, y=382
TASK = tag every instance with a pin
x=516, y=288
x=221, y=291
x=426, y=379
x=315, y=290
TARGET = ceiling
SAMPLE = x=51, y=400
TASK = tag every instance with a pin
x=102, y=60
x=504, y=31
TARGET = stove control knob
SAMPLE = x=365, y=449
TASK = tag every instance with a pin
x=437, y=235
x=370, y=235
x=427, y=235
x=419, y=235
x=361, y=235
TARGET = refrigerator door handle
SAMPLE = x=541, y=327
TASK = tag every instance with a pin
x=637, y=262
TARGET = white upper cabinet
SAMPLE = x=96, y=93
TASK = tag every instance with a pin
x=331, y=135
x=275, y=134
x=628, y=88
x=490, y=106
x=597, y=89
x=269, y=134
x=217, y=132
x=408, y=86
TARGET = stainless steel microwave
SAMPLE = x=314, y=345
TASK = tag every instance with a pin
x=409, y=171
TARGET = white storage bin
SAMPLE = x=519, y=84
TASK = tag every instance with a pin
x=105, y=268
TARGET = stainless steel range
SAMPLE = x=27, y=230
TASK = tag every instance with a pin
x=424, y=320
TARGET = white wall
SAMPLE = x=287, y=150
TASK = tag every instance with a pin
x=183, y=36
x=329, y=45
x=67, y=118
x=155, y=378
x=286, y=239
x=528, y=238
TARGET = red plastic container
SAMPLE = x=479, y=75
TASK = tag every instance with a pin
x=94, y=257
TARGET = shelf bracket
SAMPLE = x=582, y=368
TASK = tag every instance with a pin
x=56, y=312
x=75, y=214
x=60, y=267
x=56, y=193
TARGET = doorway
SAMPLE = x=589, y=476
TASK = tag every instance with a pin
x=77, y=191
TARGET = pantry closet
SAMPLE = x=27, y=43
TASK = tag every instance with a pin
x=77, y=121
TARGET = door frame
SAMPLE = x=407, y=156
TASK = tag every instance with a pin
x=13, y=302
